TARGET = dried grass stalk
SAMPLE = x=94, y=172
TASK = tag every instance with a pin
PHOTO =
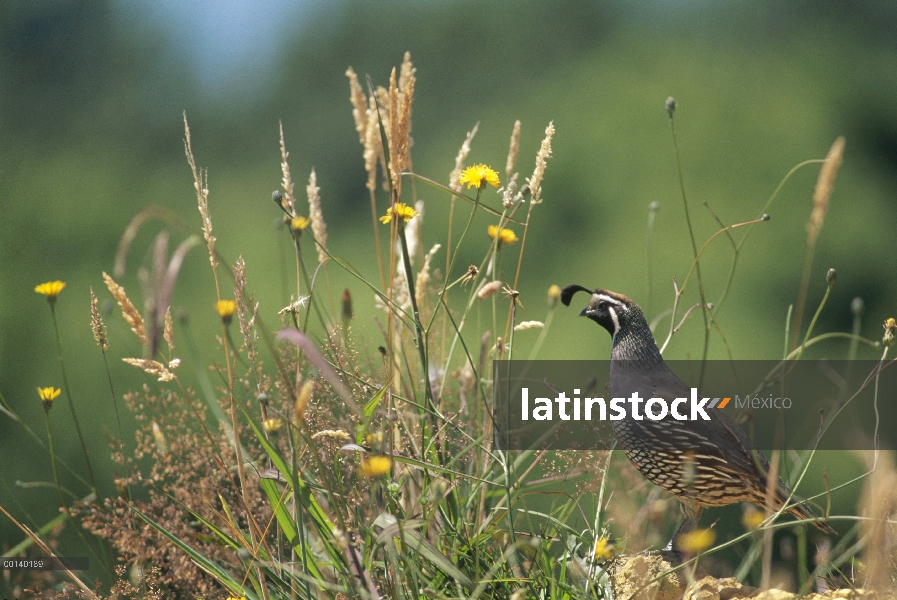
x=373, y=145
x=544, y=153
x=455, y=175
x=423, y=276
x=406, y=72
x=128, y=311
x=401, y=97
x=359, y=104
x=247, y=323
x=513, y=150
x=289, y=200
x=823, y=191
x=153, y=367
x=414, y=233
x=96, y=323
x=302, y=400
x=318, y=226
x=168, y=333
x=489, y=289
x=201, y=185
x=878, y=504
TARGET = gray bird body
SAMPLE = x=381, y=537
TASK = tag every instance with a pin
x=703, y=463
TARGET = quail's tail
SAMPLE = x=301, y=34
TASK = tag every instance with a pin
x=803, y=511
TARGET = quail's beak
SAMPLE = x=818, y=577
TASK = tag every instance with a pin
x=585, y=312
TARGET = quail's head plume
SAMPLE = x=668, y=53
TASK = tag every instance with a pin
x=703, y=463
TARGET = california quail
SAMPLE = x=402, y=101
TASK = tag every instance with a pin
x=703, y=463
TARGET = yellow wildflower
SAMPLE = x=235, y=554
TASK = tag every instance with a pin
x=604, y=549
x=554, y=294
x=695, y=542
x=505, y=236
x=399, y=211
x=50, y=289
x=272, y=425
x=226, y=310
x=299, y=223
x=478, y=176
x=752, y=518
x=48, y=394
x=375, y=466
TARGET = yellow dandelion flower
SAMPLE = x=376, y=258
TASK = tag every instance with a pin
x=226, y=310
x=375, y=466
x=399, y=211
x=604, y=549
x=47, y=395
x=695, y=542
x=299, y=223
x=50, y=289
x=505, y=236
x=478, y=176
x=554, y=294
x=752, y=518
x=272, y=425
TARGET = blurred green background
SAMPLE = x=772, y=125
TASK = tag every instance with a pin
x=91, y=103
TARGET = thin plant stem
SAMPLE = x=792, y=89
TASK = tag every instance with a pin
x=121, y=438
x=828, y=290
x=5, y=409
x=63, y=504
x=542, y=334
x=694, y=247
x=68, y=397
x=802, y=295
x=763, y=211
x=652, y=212
x=418, y=326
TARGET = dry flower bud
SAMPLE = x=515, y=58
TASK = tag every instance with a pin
x=890, y=329
x=489, y=289
x=671, y=106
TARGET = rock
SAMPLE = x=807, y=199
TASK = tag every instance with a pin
x=628, y=573
x=775, y=594
x=710, y=588
x=629, y=576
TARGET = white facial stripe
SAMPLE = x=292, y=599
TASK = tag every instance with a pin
x=615, y=319
x=610, y=300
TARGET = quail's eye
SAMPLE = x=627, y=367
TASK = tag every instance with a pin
x=602, y=305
